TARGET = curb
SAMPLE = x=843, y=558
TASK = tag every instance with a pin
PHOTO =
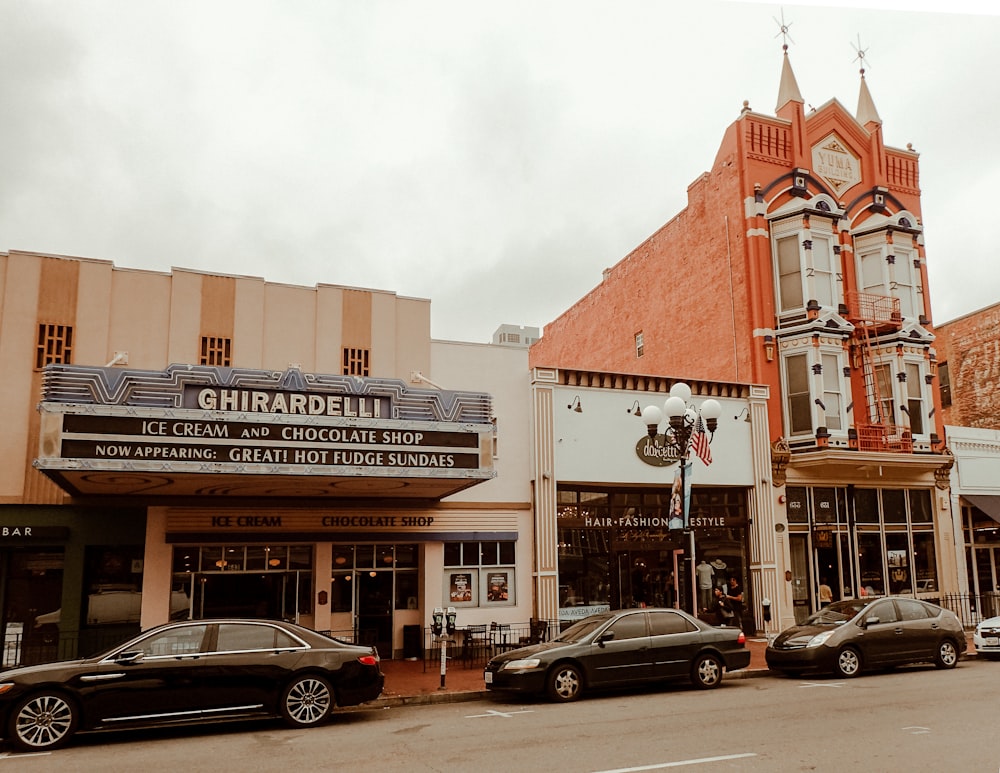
x=425, y=699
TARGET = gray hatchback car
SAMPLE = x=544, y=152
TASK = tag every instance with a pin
x=850, y=636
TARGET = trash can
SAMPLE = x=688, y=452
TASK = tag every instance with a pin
x=412, y=645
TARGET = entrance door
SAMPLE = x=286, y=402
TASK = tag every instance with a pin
x=798, y=546
x=374, y=610
x=32, y=602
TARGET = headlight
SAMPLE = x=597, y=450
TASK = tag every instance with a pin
x=521, y=665
x=819, y=639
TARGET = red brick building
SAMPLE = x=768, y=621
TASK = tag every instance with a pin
x=968, y=353
x=799, y=265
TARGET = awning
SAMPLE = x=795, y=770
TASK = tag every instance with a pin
x=989, y=504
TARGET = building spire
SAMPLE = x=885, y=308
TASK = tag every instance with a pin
x=866, y=112
x=788, y=89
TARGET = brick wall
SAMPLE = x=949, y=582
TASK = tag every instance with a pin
x=970, y=347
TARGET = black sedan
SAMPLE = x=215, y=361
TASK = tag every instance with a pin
x=624, y=647
x=189, y=672
x=850, y=636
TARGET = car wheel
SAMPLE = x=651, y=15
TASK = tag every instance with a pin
x=946, y=655
x=565, y=683
x=42, y=721
x=307, y=701
x=706, y=672
x=848, y=662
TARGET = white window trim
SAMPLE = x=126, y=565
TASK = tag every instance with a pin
x=814, y=356
x=876, y=243
x=821, y=228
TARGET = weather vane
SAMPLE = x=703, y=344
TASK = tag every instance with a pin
x=861, y=53
x=783, y=31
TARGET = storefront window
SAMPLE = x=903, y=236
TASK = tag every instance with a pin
x=866, y=505
x=479, y=573
x=406, y=590
x=893, y=505
x=920, y=506
x=870, y=564
x=342, y=592
x=924, y=562
x=797, y=505
x=897, y=556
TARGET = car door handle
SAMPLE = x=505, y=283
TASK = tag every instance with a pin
x=899, y=631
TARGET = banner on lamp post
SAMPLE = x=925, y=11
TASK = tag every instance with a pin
x=680, y=497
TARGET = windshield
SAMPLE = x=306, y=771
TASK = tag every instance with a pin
x=837, y=613
x=584, y=628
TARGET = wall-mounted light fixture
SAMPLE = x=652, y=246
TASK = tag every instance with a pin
x=769, y=347
x=635, y=410
x=746, y=410
x=575, y=405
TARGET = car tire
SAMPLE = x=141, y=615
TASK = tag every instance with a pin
x=565, y=683
x=946, y=655
x=306, y=701
x=42, y=722
x=706, y=671
x=848, y=663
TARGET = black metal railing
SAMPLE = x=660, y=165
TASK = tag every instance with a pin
x=971, y=608
x=48, y=647
x=471, y=646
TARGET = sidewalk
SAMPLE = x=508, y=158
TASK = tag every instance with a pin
x=407, y=683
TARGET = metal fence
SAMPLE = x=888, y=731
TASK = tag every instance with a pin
x=971, y=608
x=32, y=648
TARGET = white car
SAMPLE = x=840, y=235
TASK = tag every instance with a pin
x=987, y=638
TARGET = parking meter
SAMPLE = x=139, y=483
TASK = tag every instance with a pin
x=450, y=620
x=437, y=621
x=765, y=605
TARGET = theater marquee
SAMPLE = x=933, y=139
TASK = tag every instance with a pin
x=258, y=433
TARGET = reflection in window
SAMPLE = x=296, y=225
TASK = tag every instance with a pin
x=870, y=564
x=798, y=403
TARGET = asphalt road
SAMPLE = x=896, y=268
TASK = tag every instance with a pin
x=912, y=719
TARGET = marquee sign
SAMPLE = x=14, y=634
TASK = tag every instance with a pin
x=216, y=432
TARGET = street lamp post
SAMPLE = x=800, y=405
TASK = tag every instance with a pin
x=687, y=426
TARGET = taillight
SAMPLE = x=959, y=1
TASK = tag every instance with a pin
x=368, y=660
x=741, y=639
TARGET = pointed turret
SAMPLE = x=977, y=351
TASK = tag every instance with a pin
x=788, y=90
x=866, y=106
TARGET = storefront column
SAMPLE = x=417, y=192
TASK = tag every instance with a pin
x=322, y=571
x=157, y=569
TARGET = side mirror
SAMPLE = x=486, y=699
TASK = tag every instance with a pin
x=873, y=620
x=128, y=658
x=605, y=637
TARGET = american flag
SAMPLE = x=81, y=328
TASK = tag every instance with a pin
x=699, y=443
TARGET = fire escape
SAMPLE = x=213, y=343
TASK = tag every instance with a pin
x=873, y=315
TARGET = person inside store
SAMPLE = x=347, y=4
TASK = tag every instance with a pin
x=825, y=593
x=734, y=595
x=720, y=611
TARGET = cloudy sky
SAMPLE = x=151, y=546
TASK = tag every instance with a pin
x=493, y=157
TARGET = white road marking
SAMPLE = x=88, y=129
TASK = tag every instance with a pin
x=679, y=763
x=917, y=730
x=492, y=713
x=9, y=756
x=822, y=684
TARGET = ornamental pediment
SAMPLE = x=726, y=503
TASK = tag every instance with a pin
x=835, y=164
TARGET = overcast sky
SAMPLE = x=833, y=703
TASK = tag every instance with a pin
x=492, y=157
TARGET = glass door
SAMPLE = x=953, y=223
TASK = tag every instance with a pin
x=798, y=545
x=375, y=610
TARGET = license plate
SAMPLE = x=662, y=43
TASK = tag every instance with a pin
x=488, y=677
x=993, y=641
